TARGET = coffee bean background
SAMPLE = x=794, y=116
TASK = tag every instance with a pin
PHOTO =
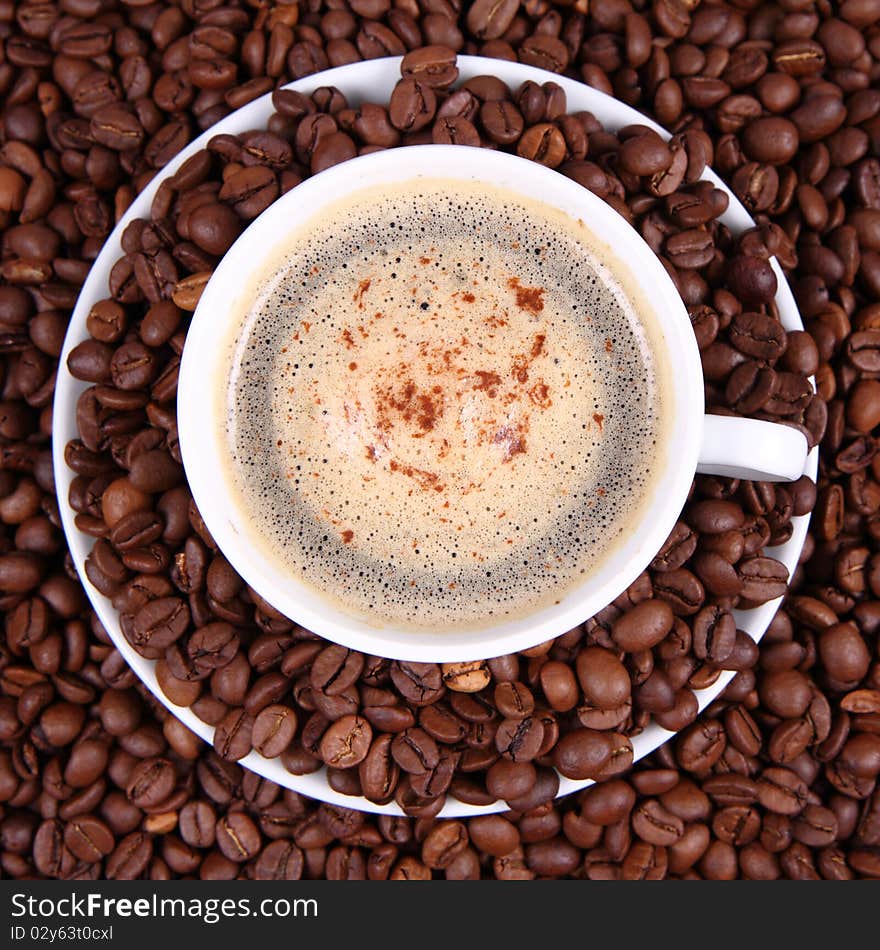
x=776, y=779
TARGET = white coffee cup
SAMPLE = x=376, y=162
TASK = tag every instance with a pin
x=720, y=445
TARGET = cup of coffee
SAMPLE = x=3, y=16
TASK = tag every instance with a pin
x=440, y=404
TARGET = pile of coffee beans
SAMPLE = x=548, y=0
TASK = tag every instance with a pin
x=775, y=779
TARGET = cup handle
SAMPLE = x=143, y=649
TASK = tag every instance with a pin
x=752, y=449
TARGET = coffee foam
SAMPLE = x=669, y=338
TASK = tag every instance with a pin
x=442, y=409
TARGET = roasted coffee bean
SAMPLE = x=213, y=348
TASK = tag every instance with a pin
x=758, y=336
x=701, y=746
x=656, y=825
x=334, y=669
x=233, y=737
x=250, y=190
x=489, y=20
x=494, y=834
x=213, y=227
x=19, y=572
x=466, y=677
x=390, y=719
x=559, y=685
x=782, y=791
x=238, y=837
x=160, y=623
x=501, y=121
x=543, y=143
x=786, y=692
x=151, y=782
x=378, y=772
x=771, y=139
x=431, y=65
x=279, y=861
x=419, y=683
x=520, y=739
x=798, y=150
x=415, y=751
x=412, y=106
x=843, y=652
x=714, y=635
x=211, y=647
x=644, y=626
x=61, y=722
x=120, y=500
x=603, y=678
x=644, y=152
x=510, y=780
x=273, y=730
x=583, y=753
x=680, y=545
x=88, y=838
x=130, y=857
x=763, y=578
x=132, y=366
x=514, y=700
x=346, y=743
x=117, y=128
x=197, y=823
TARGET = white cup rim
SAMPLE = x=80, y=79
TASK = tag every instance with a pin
x=203, y=451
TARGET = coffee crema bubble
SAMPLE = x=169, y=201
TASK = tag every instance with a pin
x=442, y=409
